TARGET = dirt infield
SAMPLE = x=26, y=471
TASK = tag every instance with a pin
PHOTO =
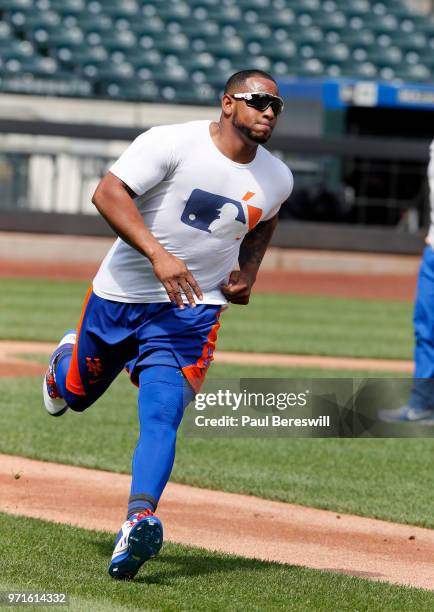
x=12, y=364
x=365, y=286
x=362, y=286
x=262, y=529
x=258, y=528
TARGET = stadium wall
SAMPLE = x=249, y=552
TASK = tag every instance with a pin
x=68, y=144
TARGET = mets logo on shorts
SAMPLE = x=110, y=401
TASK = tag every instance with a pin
x=220, y=216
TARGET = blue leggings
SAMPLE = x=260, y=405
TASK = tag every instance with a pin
x=162, y=347
x=163, y=396
x=422, y=394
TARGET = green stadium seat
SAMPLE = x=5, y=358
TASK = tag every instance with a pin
x=379, y=23
x=15, y=5
x=79, y=57
x=256, y=31
x=58, y=85
x=419, y=73
x=18, y=49
x=34, y=65
x=198, y=61
x=92, y=23
x=360, y=70
x=201, y=28
x=146, y=91
x=333, y=21
x=184, y=50
x=6, y=33
x=30, y=19
x=214, y=75
x=231, y=48
x=187, y=94
x=331, y=54
x=170, y=75
x=219, y=13
x=427, y=27
x=417, y=41
x=113, y=39
x=68, y=7
x=359, y=38
x=283, y=51
x=150, y=59
x=111, y=70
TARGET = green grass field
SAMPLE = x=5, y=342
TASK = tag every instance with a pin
x=56, y=558
x=388, y=479
x=271, y=323
x=372, y=477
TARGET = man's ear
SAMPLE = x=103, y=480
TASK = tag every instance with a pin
x=227, y=105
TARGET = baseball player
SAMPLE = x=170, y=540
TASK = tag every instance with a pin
x=420, y=406
x=190, y=203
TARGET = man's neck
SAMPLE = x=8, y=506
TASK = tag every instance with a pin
x=232, y=145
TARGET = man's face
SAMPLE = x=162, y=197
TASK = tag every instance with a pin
x=256, y=126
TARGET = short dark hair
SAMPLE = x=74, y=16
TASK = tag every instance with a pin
x=239, y=78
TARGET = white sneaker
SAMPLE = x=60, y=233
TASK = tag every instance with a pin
x=54, y=402
x=139, y=539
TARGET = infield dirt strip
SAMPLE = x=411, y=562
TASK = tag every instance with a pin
x=226, y=522
x=12, y=364
x=262, y=529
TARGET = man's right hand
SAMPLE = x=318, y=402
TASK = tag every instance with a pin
x=176, y=278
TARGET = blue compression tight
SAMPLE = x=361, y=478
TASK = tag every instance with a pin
x=163, y=397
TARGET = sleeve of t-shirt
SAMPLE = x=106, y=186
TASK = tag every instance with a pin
x=286, y=192
x=146, y=162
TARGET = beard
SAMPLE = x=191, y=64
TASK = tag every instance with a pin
x=249, y=132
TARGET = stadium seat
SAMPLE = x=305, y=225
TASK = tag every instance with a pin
x=146, y=91
x=158, y=49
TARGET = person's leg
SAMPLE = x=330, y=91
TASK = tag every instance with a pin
x=422, y=394
x=176, y=349
x=163, y=396
x=85, y=369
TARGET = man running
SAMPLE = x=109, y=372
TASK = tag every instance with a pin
x=155, y=302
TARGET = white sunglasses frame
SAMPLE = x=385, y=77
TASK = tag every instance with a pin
x=248, y=95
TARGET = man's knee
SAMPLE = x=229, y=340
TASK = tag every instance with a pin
x=78, y=403
x=162, y=403
x=163, y=396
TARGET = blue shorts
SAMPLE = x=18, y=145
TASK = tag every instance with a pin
x=112, y=336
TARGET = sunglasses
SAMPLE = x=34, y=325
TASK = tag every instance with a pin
x=261, y=101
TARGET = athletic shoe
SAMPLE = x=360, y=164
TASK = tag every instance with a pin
x=139, y=539
x=408, y=414
x=54, y=402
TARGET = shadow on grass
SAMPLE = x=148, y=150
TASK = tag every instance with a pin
x=178, y=561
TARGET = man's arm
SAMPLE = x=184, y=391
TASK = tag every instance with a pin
x=252, y=251
x=114, y=201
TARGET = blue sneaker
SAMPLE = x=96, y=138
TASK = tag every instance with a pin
x=54, y=402
x=139, y=539
x=408, y=414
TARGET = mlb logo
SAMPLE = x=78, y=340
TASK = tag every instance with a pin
x=218, y=215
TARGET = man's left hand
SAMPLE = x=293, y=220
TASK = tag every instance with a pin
x=239, y=287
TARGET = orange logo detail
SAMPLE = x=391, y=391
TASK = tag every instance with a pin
x=94, y=367
x=254, y=212
x=248, y=195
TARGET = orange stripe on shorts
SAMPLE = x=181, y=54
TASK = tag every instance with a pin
x=73, y=378
x=195, y=373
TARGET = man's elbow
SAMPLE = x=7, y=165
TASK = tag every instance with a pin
x=100, y=195
x=95, y=197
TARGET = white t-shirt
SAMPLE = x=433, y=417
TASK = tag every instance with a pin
x=199, y=205
x=430, y=237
